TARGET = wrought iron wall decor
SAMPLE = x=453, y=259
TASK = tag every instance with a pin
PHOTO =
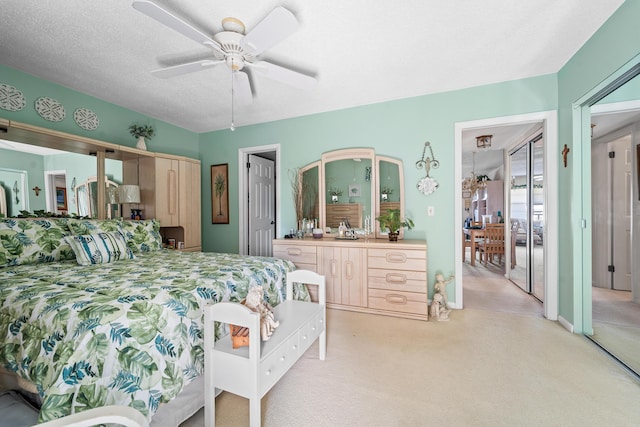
x=427, y=184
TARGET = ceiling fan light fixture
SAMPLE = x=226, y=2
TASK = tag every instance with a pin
x=233, y=24
x=483, y=141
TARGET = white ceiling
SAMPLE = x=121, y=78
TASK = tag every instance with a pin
x=361, y=52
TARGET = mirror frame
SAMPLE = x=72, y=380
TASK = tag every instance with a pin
x=380, y=233
x=344, y=154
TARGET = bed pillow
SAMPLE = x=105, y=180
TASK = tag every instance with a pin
x=100, y=248
x=143, y=236
x=93, y=226
x=32, y=241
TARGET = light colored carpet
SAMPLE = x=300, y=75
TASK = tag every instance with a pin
x=482, y=368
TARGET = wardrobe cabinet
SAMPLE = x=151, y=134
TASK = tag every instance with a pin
x=373, y=276
x=170, y=192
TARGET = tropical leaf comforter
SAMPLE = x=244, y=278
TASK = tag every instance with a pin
x=128, y=333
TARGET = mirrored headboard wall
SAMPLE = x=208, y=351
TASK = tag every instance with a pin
x=351, y=185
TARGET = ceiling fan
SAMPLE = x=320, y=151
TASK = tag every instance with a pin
x=232, y=47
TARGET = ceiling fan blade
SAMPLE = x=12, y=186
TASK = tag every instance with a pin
x=189, y=67
x=165, y=17
x=277, y=25
x=284, y=75
x=241, y=89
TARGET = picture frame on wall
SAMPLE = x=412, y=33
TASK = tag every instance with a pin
x=354, y=190
x=220, y=194
x=61, y=198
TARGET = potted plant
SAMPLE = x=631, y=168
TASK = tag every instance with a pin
x=335, y=192
x=391, y=221
x=141, y=132
x=385, y=192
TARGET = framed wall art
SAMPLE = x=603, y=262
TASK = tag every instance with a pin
x=61, y=198
x=220, y=194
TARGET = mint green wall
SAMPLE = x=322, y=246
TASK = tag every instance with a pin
x=397, y=129
x=114, y=120
x=33, y=164
x=611, y=47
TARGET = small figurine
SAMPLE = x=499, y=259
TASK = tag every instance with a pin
x=440, y=304
x=255, y=302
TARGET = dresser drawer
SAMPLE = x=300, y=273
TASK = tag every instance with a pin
x=395, y=280
x=403, y=302
x=400, y=259
x=277, y=363
x=310, y=331
x=297, y=254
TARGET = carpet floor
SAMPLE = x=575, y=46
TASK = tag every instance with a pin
x=482, y=368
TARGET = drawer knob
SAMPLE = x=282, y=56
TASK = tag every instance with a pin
x=304, y=337
x=396, y=257
x=396, y=299
x=313, y=328
x=294, y=251
x=282, y=359
x=396, y=278
x=295, y=347
x=268, y=372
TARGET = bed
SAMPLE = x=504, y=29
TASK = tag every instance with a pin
x=122, y=331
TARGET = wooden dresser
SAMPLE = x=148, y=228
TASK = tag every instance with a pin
x=372, y=276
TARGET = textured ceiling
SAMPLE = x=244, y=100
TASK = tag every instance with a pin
x=361, y=52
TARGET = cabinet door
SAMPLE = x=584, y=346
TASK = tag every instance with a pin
x=342, y=268
x=167, y=191
x=189, y=203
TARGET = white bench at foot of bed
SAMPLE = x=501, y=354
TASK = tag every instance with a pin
x=251, y=371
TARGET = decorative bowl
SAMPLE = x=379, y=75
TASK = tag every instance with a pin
x=317, y=233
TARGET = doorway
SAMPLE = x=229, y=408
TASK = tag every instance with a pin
x=548, y=121
x=258, y=199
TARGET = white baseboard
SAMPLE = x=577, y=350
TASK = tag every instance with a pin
x=565, y=324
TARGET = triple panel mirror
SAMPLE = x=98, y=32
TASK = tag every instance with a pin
x=353, y=186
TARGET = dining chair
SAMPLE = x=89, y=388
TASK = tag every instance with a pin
x=493, y=243
x=466, y=243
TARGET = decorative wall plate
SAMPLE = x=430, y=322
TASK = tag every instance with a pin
x=86, y=119
x=50, y=109
x=427, y=185
x=11, y=98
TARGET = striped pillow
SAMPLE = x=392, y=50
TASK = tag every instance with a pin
x=100, y=248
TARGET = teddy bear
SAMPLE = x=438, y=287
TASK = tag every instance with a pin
x=255, y=302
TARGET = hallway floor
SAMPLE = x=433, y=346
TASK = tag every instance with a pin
x=616, y=319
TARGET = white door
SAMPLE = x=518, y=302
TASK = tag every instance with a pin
x=621, y=197
x=262, y=225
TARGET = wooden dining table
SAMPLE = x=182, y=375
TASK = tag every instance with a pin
x=474, y=234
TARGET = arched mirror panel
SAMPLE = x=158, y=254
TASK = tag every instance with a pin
x=389, y=184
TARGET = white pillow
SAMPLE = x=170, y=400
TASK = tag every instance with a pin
x=100, y=248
